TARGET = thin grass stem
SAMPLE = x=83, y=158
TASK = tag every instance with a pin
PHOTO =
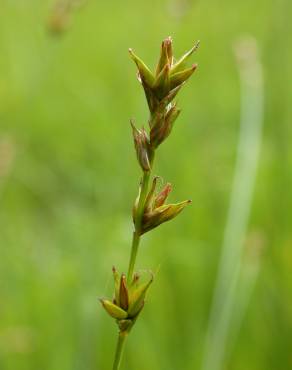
x=140, y=212
x=134, y=250
x=119, y=350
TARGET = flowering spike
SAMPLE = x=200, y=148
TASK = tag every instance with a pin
x=162, y=214
x=157, y=86
x=163, y=128
x=161, y=88
x=141, y=142
x=130, y=303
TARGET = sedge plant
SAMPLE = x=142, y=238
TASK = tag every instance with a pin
x=150, y=208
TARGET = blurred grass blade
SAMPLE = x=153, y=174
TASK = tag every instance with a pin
x=250, y=136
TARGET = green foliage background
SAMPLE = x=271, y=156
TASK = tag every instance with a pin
x=67, y=190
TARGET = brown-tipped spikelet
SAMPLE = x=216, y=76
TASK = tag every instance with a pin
x=161, y=88
x=128, y=299
x=156, y=211
x=142, y=146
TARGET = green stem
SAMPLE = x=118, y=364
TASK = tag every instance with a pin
x=138, y=221
x=119, y=350
x=134, y=250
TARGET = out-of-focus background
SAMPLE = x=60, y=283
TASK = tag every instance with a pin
x=68, y=178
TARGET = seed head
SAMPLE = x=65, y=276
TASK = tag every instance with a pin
x=156, y=211
x=160, y=88
x=128, y=300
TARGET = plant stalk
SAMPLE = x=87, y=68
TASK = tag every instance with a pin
x=134, y=250
x=119, y=349
x=138, y=221
x=160, y=89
